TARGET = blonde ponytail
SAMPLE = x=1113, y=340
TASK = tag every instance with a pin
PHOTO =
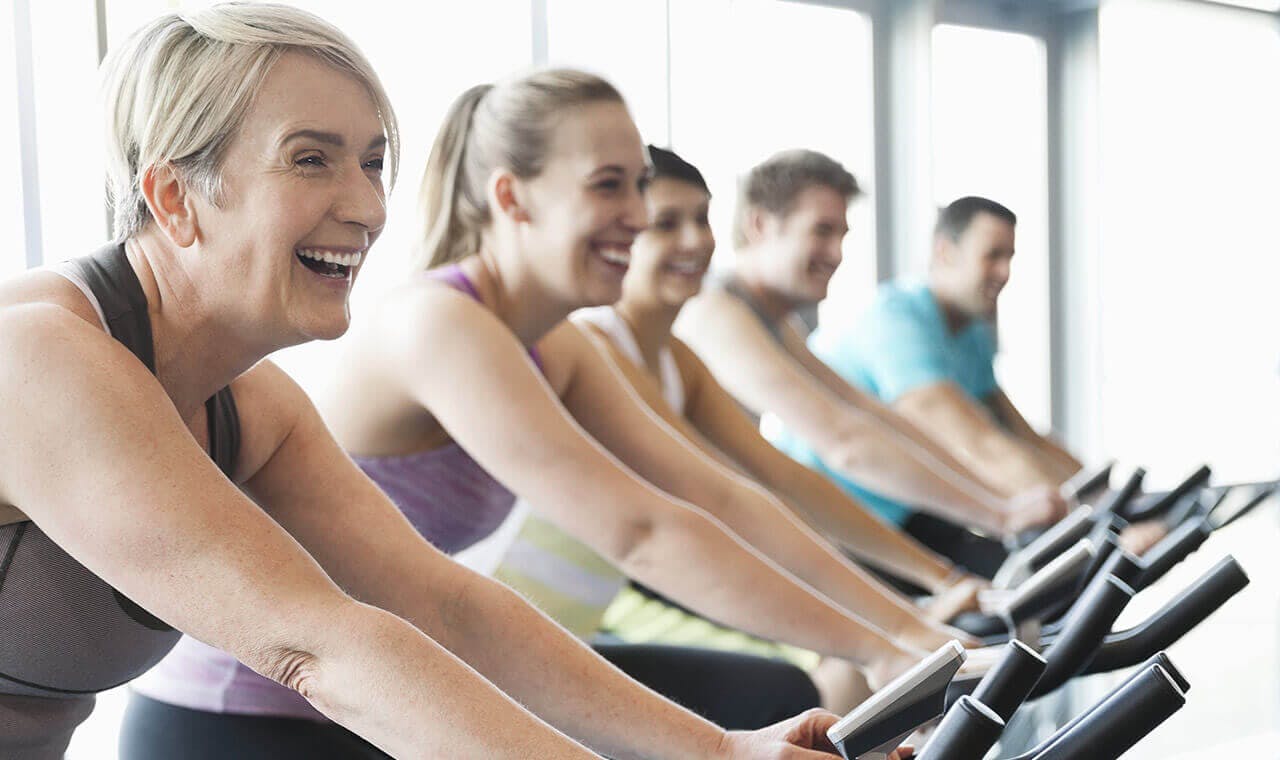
x=506, y=125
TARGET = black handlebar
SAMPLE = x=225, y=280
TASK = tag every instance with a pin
x=1164, y=503
x=1120, y=721
x=1181, y=543
x=1006, y=686
x=1119, y=501
x=1172, y=621
x=1160, y=659
x=968, y=730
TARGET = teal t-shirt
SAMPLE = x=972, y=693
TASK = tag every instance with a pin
x=901, y=343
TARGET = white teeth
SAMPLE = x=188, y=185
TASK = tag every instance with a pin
x=330, y=257
x=616, y=256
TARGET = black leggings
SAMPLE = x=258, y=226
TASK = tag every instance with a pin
x=733, y=690
x=736, y=691
x=158, y=731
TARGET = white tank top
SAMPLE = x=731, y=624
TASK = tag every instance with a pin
x=614, y=326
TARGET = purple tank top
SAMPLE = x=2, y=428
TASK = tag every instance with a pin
x=447, y=496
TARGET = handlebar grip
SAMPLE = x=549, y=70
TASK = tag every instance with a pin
x=1159, y=658
x=968, y=730
x=1006, y=686
x=1172, y=549
x=1161, y=505
x=1172, y=621
x=1121, y=720
x=1084, y=629
x=1119, y=500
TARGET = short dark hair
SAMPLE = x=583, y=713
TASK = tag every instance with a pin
x=775, y=184
x=954, y=219
x=668, y=165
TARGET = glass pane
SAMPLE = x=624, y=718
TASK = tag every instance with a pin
x=989, y=139
x=750, y=78
x=12, y=237
x=68, y=130
x=1189, y=240
x=635, y=62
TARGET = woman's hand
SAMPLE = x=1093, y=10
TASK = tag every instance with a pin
x=960, y=597
x=803, y=737
x=1139, y=537
x=1034, y=508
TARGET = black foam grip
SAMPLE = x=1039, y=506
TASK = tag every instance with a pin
x=967, y=732
x=1121, y=721
x=1120, y=499
x=1164, y=503
x=1083, y=630
x=1172, y=621
x=1172, y=549
x=1159, y=659
x=1007, y=685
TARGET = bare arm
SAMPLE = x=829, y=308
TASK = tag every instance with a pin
x=371, y=550
x=1054, y=456
x=946, y=413
x=97, y=456
x=605, y=402
x=837, y=514
x=765, y=378
x=496, y=406
x=795, y=345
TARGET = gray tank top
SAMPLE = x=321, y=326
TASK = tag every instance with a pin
x=65, y=634
x=730, y=284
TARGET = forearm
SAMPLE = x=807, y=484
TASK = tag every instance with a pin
x=721, y=577
x=377, y=675
x=916, y=437
x=522, y=651
x=1064, y=465
x=848, y=523
x=1004, y=460
x=893, y=467
x=783, y=537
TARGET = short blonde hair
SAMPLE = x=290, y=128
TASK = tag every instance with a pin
x=178, y=89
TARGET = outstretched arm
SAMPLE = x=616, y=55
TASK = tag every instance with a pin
x=765, y=378
x=833, y=511
x=1052, y=454
x=605, y=402
x=944, y=411
x=371, y=550
x=502, y=412
x=98, y=457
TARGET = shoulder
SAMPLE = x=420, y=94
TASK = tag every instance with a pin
x=425, y=317
x=43, y=335
x=902, y=299
x=719, y=308
x=45, y=286
x=900, y=310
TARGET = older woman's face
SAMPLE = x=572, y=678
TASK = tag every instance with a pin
x=303, y=201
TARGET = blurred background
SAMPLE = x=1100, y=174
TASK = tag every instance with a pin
x=1135, y=139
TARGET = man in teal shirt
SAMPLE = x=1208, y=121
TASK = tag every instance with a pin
x=927, y=350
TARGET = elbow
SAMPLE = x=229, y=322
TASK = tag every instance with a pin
x=292, y=667
x=632, y=548
x=297, y=657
